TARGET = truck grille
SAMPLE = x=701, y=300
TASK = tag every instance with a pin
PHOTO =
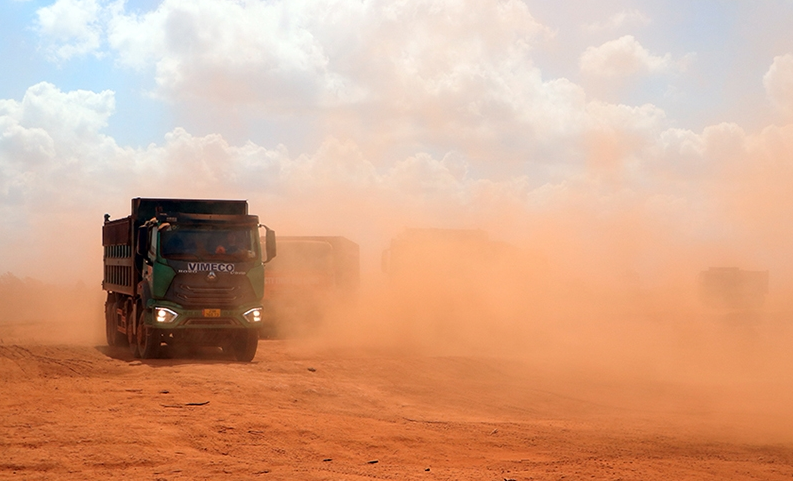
x=193, y=290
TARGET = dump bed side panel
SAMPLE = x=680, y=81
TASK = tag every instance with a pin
x=119, y=272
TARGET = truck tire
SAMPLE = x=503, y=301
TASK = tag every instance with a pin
x=133, y=344
x=114, y=337
x=244, y=346
x=132, y=341
x=148, y=339
x=110, y=321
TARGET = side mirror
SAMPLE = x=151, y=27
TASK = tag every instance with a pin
x=269, y=244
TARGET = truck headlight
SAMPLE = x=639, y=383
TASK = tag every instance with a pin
x=253, y=315
x=164, y=315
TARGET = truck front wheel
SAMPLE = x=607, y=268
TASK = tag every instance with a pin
x=148, y=338
x=245, y=345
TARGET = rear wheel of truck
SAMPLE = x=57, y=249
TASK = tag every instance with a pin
x=244, y=346
x=148, y=338
x=110, y=320
x=114, y=337
x=133, y=345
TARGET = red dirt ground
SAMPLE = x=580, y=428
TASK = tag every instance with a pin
x=72, y=410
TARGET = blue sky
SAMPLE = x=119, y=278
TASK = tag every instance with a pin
x=143, y=120
x=733, y=42
x=534, y=120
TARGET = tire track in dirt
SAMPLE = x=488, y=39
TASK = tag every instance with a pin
x=51, y=362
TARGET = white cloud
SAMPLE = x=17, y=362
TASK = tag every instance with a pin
x=230, y=52
x=625, y=18
x=645, y=119
x=445, y=74
x=778, y=82
x=71, y=28
x=50, y=141
x=623, y=57
x=456, y=65
x=431, y=76
x=431, y=111
x=52, y=151
x=56, y=162
x=80, y=112
x=298, y=52
x=423, y=175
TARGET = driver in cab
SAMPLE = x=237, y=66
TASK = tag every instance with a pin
x=230, y=245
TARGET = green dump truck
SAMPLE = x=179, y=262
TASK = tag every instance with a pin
x=185, y=271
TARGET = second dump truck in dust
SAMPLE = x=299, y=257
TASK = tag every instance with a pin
x=311, y=275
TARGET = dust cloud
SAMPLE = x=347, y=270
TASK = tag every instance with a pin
x=593, y=279
x=41, y=312
x=602, y=283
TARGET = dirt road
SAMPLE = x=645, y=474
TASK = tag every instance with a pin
x=300, y=411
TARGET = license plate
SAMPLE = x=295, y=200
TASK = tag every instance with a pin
x=211, y=312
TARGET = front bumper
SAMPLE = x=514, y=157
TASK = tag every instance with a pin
x=206, y=318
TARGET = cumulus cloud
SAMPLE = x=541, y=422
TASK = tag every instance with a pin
x=51, y=137
x=643, y=186
x=437, y=76
x=644, y=119
x=80, y=112
x=71, y=28
x=778, y=82
x=225, y=51
x=625, y=18
x=52, y=152
x=431, y=112
x=297, y=53
x=624, y=57
x=55, y=161
x=450, y=66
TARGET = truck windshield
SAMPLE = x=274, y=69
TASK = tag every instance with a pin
x=200, y=243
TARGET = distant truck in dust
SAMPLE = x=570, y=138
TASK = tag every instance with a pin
x=733, y=288
x=310, y=275
x=185, y=271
